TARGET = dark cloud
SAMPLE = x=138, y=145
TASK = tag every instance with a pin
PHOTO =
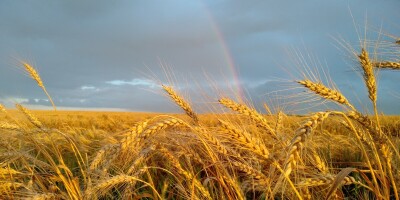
x=80, y=47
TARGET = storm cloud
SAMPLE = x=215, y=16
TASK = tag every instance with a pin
x=103, y=54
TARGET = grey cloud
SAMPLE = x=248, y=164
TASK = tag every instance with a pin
x=77, y=44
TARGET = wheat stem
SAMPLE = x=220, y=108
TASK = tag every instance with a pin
x=253, y=114
x=387, y=65
x=35, y=76
x=181, y=103
x=325, y=92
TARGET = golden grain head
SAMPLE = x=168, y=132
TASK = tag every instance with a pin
x=32, y=118
x=252, y=113
x=181, y=103
x=8, y=126
x=369, y=76
x=2, y=108
x=33, y=73
x=35, y=76
x=387, y=65
x=325, y=92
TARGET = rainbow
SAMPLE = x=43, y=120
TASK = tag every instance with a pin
x=230, y=62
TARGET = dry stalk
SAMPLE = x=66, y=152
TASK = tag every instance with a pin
x=8, y=126
x=241, y=137
x=189, y=176
x=104, y=186
x=21, y=155
x=377, y=135
x=325, y=92
x=134, y=167
x=8, y=172
x=170, y=122
x=46, y=196
x=369, y=77
x=2, y=108
x=35, y=76
x=250, y=171
x=362, y=134
x=368, y=124
x=99, y=159
x=387, y=154
x=319, y=163
x=325, y=180
x=298, y=140
x=387, y=65
x=137, y=130
x=213, y=140
x=341, y=177
x=181, y=103
x=7, y=186
x=30, y=116
x=253, y=114
x=279, y=122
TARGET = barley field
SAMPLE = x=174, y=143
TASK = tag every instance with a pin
x=241, y=153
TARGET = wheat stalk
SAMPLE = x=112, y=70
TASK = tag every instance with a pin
x=8, y=172
x=35, y=76
x=170, y=122
x=25, y=156
x=369, y=77
x=30, y=116
x=325, y=92
x=7, y=187
x=213, y=140
x=387, y=65
x=137, y=130
x=2, y=108
x=189, y=176
x=296, y=144
x=325, y=180
x=362, y=134
x=46, y=196
x=250, y=171
x=181, y=103
x=8, y=126
x=279, y=122
x=253, y=114
x=368, y=124
x=107, y=184
x=319, y=163
x=387, y=154
x=241, y=137
x=99, y=160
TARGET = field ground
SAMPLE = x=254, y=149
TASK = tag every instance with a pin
x=333, y=146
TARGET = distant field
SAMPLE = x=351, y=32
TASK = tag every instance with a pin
x=112, y=121
x=95, y=134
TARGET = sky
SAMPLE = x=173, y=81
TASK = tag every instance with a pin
x=114, y=55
